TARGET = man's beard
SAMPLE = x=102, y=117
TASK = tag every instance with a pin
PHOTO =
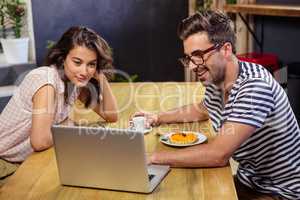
x=216, y=77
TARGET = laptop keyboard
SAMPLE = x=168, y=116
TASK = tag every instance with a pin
x=150, y=176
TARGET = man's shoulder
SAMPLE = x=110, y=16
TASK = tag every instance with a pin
x=255, y=82
x=254, y=70
x=254, y=75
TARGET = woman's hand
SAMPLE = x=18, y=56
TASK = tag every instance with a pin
x=99, y=76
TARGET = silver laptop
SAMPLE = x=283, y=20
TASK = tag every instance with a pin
x=105, y=158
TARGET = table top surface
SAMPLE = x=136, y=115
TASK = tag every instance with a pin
x=264, y=9
x=37, y=177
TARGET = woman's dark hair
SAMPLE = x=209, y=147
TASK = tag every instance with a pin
x=81, y=36
x=216, y=24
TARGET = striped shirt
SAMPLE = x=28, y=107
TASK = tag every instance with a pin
x=269, y=160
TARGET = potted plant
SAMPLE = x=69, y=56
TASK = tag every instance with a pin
x=203, y=4
x=12, y=15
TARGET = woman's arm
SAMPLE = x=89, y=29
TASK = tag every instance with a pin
x=42, y=118
x=107, y=107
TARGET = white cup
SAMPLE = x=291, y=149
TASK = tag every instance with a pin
x=139, y=123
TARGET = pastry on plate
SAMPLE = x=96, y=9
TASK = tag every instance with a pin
x=183, y=138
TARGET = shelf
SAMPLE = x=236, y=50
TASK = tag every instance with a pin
x=4, y=64
x=8, y=90
x=264, y=9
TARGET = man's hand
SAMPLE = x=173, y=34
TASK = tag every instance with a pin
x=151, y=119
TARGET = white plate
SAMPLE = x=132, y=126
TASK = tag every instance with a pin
x=144, y=131
x=165, y=139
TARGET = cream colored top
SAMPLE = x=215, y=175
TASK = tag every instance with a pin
x=16, y=118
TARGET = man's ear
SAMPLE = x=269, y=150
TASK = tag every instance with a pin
x=227, y=49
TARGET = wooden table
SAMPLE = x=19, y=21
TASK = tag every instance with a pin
x=37, y=177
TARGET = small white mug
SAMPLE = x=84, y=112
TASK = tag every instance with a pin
x=138, y=123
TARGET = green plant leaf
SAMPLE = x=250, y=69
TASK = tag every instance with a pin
x=50, y=44
x=12, y=16
x=132, y=78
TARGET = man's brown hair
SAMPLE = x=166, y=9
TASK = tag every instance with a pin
x=215, y=23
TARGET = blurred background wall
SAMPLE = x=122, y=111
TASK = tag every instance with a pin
x=142, y=33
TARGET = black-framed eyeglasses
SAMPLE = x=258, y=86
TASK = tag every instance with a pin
x=196, y=56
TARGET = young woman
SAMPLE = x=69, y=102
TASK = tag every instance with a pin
x=75, y=68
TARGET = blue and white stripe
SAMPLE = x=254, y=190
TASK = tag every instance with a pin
x=270, y=158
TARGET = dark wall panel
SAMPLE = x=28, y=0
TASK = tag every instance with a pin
x=142, y=33
x=281, y=34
